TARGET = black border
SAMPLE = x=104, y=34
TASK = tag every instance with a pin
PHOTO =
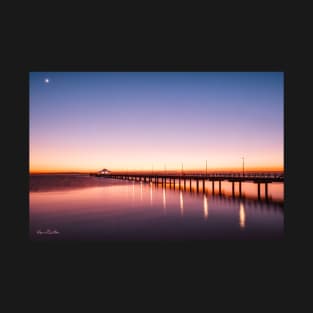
x=214, y=250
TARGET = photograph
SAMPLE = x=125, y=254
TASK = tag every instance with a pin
x=156, y=156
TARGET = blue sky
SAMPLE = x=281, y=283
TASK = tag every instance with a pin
x=118, y=120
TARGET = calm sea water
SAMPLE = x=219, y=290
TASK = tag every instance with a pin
x=80, y=207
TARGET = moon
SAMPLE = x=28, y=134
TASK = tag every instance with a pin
x=47, y=80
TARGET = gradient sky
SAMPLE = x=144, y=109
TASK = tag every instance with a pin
x=86, y=121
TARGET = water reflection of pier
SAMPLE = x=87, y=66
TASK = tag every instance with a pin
x=226, y=198
x=244, y=205
x=185, y=183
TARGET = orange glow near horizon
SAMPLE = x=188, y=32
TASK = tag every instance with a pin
x=125, y=158
x=169, y=170
x=80, y=160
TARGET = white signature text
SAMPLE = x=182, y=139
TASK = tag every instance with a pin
x=47, y=232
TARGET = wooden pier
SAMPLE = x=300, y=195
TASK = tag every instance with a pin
x=183, y=179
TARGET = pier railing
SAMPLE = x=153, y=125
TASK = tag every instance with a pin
x=257, y=176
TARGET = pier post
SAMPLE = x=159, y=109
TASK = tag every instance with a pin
x=240, y=189
x=266, y=191
x=203, y=185
x=233, y=188
x=259, y=191
x=220, y=187
x=197, y=185
x=213, y=187
x=185, y=184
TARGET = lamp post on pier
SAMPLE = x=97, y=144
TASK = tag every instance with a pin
x=243, y=166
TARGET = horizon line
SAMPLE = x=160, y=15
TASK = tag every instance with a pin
x=254, y=169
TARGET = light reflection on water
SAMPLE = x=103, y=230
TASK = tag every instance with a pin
x=141, y=191
x=205, y=207
x=181, y=203
x=139, y=211
x=242, y=216
x=164, y=198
